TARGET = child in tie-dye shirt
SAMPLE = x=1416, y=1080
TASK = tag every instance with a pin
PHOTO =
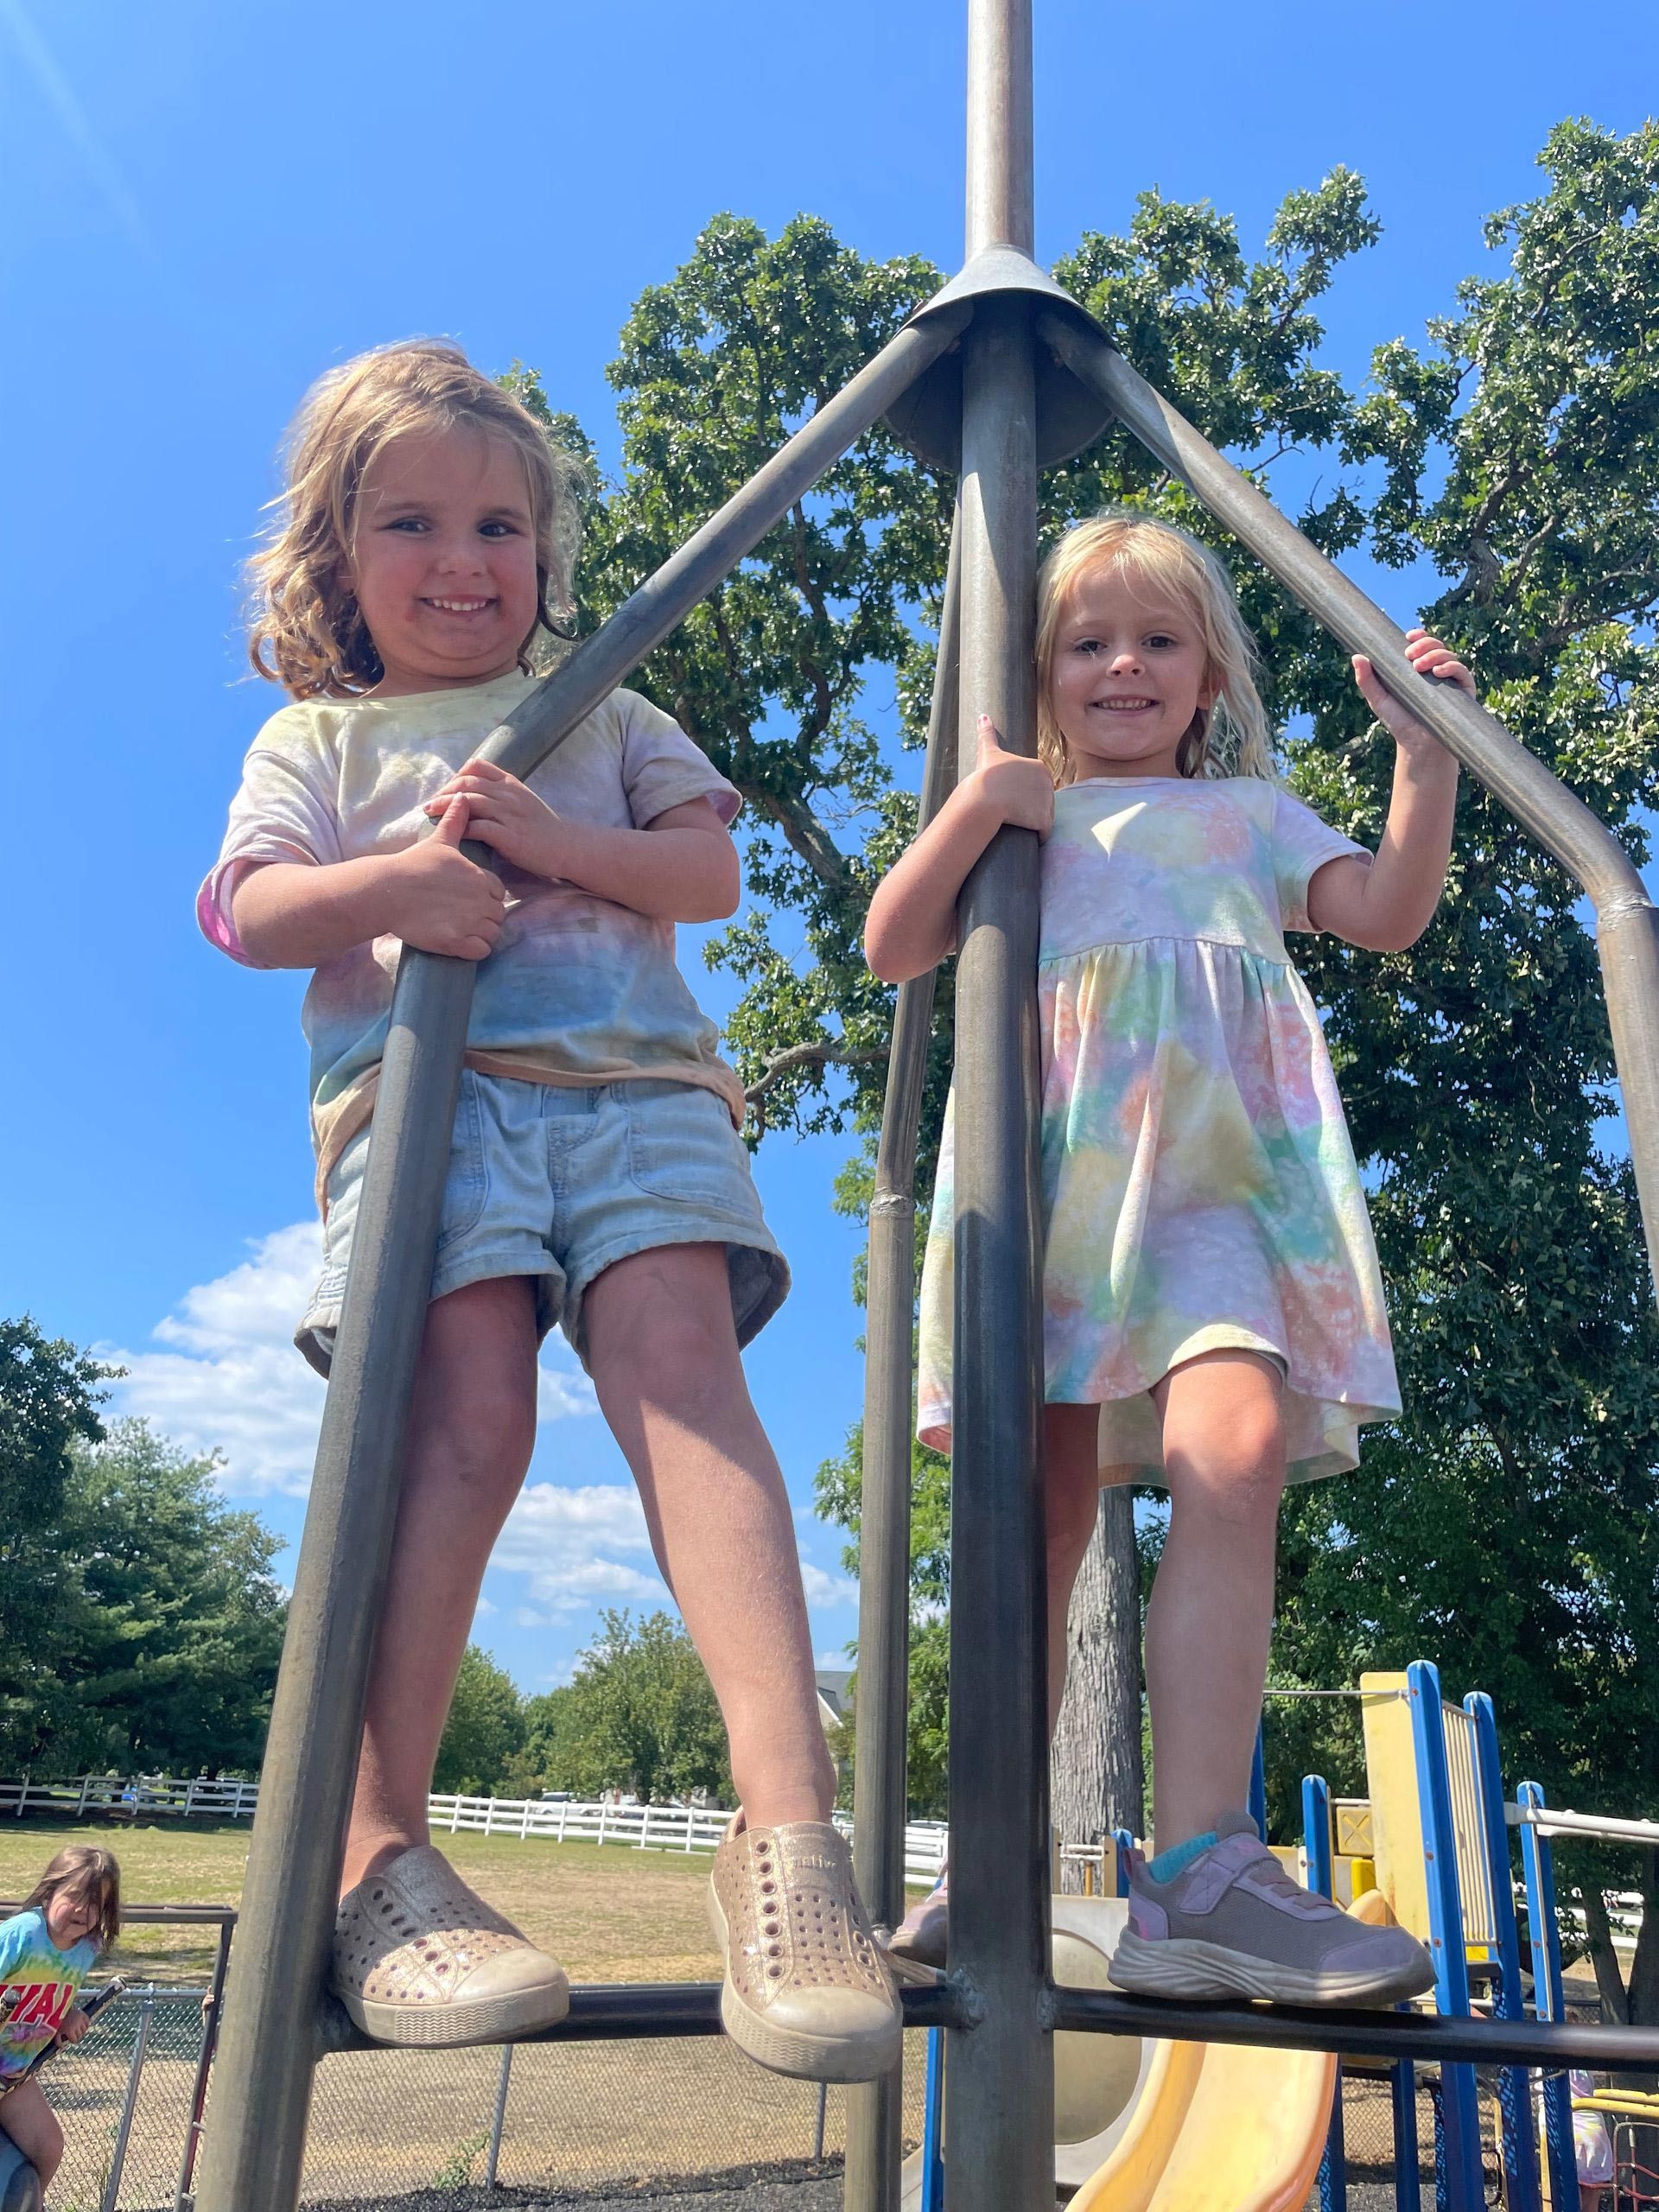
x=597, y=1180
x=47, y=1950
x=1213, y=1318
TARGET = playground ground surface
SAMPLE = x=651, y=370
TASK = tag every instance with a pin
x=611, y=1912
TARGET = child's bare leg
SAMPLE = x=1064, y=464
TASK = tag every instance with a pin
x=663, y=1352
x=471, y=1428
x=1071, y=1503
x=32, y=2126
x=1211, y=1616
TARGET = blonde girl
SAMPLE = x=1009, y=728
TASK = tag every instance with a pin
x=1213, y=1316
x=47, y=1951
x=597, y=1181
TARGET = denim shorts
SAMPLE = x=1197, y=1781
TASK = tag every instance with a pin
x=560, y=1184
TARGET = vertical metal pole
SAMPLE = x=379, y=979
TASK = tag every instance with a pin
x=1464, y=2186
x=1518, y=2145
x=932, y=2192
x=1316, y=1841
x=1548, y=2000
x=119, y=2157
x=999, y=2123
x=498, y=2124
x=1407, y=2178
x=874, y=2110
x=1258, y=1805
x=204, y=2067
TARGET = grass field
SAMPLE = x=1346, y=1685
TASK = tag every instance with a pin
x=610, y=1912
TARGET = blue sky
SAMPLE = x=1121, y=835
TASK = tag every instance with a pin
x=209, y=205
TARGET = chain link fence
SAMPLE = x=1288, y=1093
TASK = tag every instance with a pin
x=434, y=2131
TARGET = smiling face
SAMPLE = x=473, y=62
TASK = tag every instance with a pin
x=1128, y=670
x=443, y=559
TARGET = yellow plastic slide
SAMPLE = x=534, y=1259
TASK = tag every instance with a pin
x=1192, y=2127
x=1218, y=2128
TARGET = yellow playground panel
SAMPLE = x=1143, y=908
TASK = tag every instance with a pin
x=1395, y=1829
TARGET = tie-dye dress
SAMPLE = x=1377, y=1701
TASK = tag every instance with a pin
x=1199, y=1189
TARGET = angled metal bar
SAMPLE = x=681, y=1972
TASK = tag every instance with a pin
x=875, y=2112
x=252, y=2158
x=999, y=2151
x=1627, y=923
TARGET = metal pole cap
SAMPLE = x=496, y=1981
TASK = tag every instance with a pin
x=1070, y=415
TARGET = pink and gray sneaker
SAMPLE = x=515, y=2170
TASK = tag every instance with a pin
x=1228, y=1922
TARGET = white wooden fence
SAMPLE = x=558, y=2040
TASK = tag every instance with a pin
x=563, y=1820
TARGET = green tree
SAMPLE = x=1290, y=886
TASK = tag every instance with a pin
x=1505, y=1527
x=639, y=1716
x=484, y=1735
x=48, y=1397
x=177, y=1625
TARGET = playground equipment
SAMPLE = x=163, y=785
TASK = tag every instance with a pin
x=997, y=375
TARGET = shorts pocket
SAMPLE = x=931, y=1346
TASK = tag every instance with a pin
x=682, y=1145
x=467, y=1184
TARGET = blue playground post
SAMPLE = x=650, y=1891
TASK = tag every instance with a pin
x=1316, y=1840
x=1403, y=2098
x=1258, y=1806
x=1125, y=1844
x=1458, y=2183
x=1518, y=2143
x=933, y=2113
x=1549, y=2003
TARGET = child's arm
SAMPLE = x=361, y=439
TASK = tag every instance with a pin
x=1386, y=904
x=682, y=866
x=912, y=919
x=291, y=914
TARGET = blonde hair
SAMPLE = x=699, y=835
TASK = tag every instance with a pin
x=307, y=631
x=90, y=1875
x=1229, y=738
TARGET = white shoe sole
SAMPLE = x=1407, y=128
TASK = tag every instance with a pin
x=863, y=2057
x=454, y=2027
x=1178, y=1965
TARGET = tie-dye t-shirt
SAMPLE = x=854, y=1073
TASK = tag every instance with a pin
x=1199, y=1189
x=41, y=1980
x=579, y=991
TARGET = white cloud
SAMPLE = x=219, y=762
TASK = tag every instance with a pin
x=833, y=1662
x=566, y=1543
x=823, y=1589
x=228, y=1379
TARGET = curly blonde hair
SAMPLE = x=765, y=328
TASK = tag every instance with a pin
x=1230, y=738
x=307, y=631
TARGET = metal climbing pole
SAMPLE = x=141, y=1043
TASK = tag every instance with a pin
x=999, y=2135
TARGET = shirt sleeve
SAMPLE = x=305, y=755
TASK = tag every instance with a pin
x=285, y=810
x=17, y=1936
x=1301, y=846
x=661, y=767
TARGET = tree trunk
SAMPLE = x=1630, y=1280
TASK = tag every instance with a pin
x=1096, y=1772
x=1615, y=2003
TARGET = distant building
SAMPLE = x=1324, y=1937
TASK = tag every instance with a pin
x=832, y=1697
